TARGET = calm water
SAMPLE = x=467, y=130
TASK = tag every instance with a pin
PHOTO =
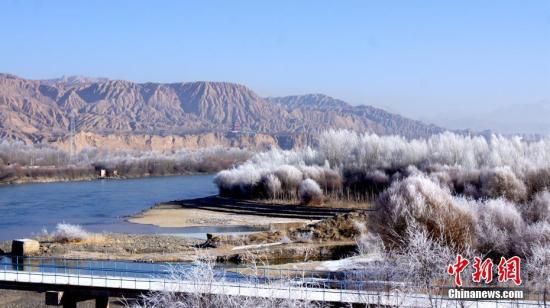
x=98, y=206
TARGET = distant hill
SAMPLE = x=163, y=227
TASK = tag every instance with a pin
x=528, y=119
x=321, y=109
x=38, y=110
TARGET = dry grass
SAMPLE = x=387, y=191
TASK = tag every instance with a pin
x=343, y=227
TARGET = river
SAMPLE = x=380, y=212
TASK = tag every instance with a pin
x=98, y=206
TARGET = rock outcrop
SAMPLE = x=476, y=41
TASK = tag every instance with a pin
x=173, y=114
x=140, y=142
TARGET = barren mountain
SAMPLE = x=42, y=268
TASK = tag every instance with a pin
x=38, y=110
x=331, y=112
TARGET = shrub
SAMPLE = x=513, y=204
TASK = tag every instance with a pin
x=425, y=260
x=502, y=182
x=271, y=185
x=69, y=233
x=206, y=281
x=302, y=236
x=537, y=268
x=310, y=192
x=237, y=182
x=364, y=183
x=290, y=178
x=533, y=235
x=538, y=209
x=499, y=226
x=537, y=180
x=419, y=201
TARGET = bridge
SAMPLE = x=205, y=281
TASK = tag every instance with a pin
x=66, y=282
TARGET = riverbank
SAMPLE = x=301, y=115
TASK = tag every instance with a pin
x=265, y=246
x=83, y=178
x=295, y=237
x=218, y=211
x=280, y=232
x=281, y=223
x=112, y=246
x=215, y=210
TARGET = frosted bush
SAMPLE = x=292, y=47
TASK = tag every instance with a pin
x=364, y=164
x=338, y=145
x=538, y=209
x=369, y=244
x=419, y=201
x=492, y=227
x=538, y=180
x=470, y=152
x=537, y=270
x=533, y=235
x=69, y=233
x=502, y=182
x=316, y=173
x=466, y=182
x=205, y=281
x=499, y=225
x=238, y=181
x=365, y=182
x=328, y=179
x=303, y=237
x=487, y=193
x=425, y=260
x=310, y=192
x=271, y=185
x=290, y=178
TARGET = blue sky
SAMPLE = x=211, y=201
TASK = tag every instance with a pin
x=440, y=61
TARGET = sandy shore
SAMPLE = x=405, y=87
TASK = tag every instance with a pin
x=218, y=211
x=177, y=218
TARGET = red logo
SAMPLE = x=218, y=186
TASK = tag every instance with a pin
x=508, y=269
x=457, y=268
x=483, y=270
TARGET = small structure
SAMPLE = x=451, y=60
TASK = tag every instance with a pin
x=24, y=247
x=103, y=171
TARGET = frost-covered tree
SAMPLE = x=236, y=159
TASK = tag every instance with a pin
x=310, y=192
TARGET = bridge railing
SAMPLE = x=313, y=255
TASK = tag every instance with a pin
x=260, y=281
x=268, y=281
x=236, y=273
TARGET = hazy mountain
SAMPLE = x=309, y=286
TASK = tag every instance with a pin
x=512, y=119
x=331, y=112
x=34, y=110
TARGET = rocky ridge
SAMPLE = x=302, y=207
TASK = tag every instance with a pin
x=42, y=110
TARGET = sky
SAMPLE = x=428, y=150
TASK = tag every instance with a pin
x=452, y=63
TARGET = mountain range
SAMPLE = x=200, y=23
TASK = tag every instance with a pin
x=43, y=110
